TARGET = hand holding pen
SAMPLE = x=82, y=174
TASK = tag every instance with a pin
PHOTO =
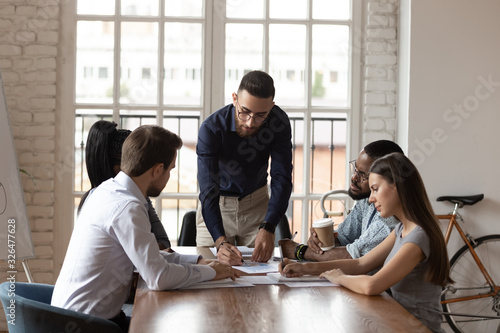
x=229, y=254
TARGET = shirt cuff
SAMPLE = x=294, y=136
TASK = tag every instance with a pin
x=206, y=272
x=353, y=251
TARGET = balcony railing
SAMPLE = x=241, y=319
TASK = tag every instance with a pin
x=325, y=155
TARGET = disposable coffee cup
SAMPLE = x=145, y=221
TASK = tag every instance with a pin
x=324, y=230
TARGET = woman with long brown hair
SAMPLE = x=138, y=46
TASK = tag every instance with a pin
x=413, y=260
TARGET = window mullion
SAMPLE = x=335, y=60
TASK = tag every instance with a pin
x=117, y=65
x=307, y=131
x=218, y=55
x=160, y=73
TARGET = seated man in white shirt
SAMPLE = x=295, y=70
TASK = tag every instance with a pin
x=112, y=235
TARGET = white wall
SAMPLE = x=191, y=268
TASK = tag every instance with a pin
x=454, y=49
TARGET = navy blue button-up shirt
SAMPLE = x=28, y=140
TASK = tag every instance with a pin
x=230, y=165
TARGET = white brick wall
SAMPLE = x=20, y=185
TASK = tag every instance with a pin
x=28, y=50
x=379, y=56
x=28, y=56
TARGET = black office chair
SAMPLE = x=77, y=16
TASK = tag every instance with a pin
x=187, y=237
x=282, y=230
x=33, y=312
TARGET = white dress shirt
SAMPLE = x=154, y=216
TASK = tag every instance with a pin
x=112, y=235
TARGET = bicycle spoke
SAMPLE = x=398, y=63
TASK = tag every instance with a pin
x=469, y=281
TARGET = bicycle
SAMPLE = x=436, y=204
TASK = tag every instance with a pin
x=472, y=303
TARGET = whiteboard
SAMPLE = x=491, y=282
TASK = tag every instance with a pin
x=13, y=214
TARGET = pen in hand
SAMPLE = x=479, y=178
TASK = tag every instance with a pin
x=281, y=255
x=293, y=236
x=242, y=261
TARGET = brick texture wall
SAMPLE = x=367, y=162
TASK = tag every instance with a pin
x=379, y=59
x=29, y=33
x=28, y=50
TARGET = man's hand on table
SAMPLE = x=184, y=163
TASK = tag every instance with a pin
x=223, y=271
x=264, y=246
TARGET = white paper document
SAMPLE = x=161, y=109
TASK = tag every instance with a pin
x=258, y=267
x=245, y=251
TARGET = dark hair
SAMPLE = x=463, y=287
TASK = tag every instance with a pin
x=380, y=148
x=398, y=170
x=146, y=146
x=103, y=151
x=258, y=84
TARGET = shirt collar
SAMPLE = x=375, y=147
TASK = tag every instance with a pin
x=124, y=180
x=232, y=119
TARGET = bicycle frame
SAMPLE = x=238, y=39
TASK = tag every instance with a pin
x=467, y=240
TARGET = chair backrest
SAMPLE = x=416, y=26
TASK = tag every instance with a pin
x=339, y=195
x=282, y=230
x=187, y=236
x=27, y=308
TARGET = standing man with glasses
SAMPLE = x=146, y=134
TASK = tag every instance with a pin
x=363, y=228
x=235, y=145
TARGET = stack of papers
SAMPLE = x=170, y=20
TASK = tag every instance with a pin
x=258, y=267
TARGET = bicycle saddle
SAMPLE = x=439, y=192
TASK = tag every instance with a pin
x=464, y=200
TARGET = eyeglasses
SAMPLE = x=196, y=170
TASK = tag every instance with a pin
x=259, y=118
x=355, y=172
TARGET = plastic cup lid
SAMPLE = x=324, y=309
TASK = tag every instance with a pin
x=326, y=222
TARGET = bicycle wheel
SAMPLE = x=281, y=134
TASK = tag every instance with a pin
x=470, y=281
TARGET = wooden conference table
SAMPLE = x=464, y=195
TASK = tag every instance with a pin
x=267, y=308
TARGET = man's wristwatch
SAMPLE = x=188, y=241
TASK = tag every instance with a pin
x=268, y=227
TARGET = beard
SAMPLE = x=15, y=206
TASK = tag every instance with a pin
x=358, y=195
x=244, y=134
x=154, y=191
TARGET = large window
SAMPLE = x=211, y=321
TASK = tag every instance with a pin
x=173, y=62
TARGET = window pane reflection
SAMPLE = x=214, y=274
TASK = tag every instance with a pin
x=291, y=9
x=139, y=63
x=95, y=7
x=243, y=54
x=183, y=63
x=192, y=8
x=139, y=8
x=330, y=65
x=94, y=62
x=245, y=8
x=287, y=61
x=332, y=10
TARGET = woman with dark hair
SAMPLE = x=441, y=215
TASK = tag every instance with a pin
x=413, y=258
x=103, y=154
